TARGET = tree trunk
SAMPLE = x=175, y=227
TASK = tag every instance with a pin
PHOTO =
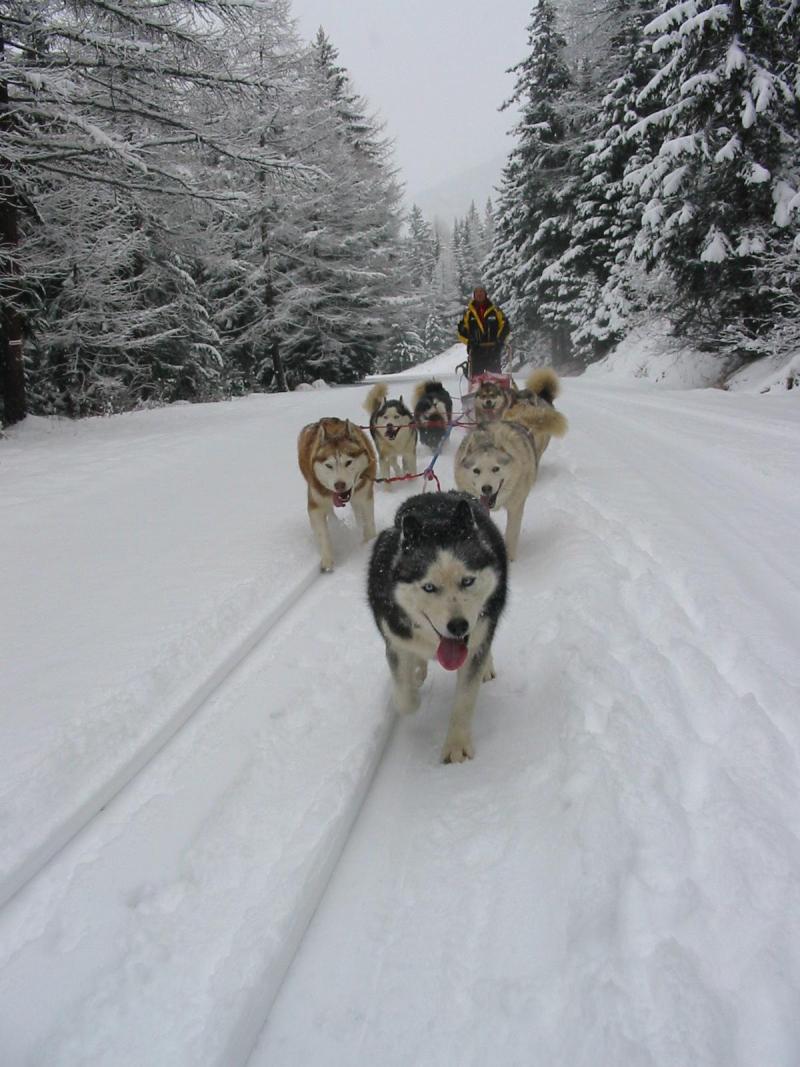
x=269, y=292
x=737, y=18
x=559, y=344
x=277, y=363
x=269, y=303
x=12, y=374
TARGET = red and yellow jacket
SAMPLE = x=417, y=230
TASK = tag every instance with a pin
x=492, y=330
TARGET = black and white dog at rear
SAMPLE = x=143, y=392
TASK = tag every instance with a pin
x=437, y=587
x=433, y=412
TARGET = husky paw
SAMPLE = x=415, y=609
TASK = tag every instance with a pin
x=488, y=668
x=326, y=566
x=457, y=748
x=406, y=701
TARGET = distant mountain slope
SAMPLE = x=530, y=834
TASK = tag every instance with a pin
x=452, y=198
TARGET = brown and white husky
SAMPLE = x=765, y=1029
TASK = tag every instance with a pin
x=394, y=432
x=338, y=463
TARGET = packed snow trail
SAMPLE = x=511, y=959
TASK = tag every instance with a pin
x=161, y=933
x=614, y=879
x=147, y=555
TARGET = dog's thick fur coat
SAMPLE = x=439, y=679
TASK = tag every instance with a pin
x=498, y=464
x=491, y=399
x=433, y=411
x=437, y=587
x=392, y=427
x=338, y=463
x=532, y=407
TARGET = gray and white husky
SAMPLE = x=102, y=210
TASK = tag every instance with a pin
x=498, y=463
x=437, y=587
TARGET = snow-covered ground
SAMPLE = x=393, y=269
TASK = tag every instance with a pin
x=217, y=846
x=652, y=354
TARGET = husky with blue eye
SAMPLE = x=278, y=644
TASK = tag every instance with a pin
x=437, y=587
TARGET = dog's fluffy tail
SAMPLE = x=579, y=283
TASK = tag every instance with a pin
x=538, y=419
x=544, y=382
x=375, y=397
x=421, y=388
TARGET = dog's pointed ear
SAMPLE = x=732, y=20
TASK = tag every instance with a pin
x=348, y=429
x=464, y=520
x=410, y=532
x=322, y=430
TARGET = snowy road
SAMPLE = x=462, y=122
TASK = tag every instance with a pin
x=613, y=879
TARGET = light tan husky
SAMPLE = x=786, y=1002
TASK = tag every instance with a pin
x=498, y=463
x=393, y=431
x=532, y=407
x=338, y=463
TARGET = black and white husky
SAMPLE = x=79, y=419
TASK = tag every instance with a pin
x=393, y=433
x=433, y=412
x=437, y=587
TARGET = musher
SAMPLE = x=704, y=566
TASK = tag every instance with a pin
x=483, y=329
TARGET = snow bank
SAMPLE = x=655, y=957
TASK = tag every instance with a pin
x=774, y=374
x=650, y=354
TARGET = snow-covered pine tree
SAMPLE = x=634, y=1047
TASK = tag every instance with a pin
x=721, y=188
x=607, y=213
x=447, y=304
x=415, y=304
x=488, y=232
x=238, y=272
x=420, y=249
x=533, y=199
x=461, y=258
x=127, y=96
x=478, y=243
x=121, y=320
x=335, y=239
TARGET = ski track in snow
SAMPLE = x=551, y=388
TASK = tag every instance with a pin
x=199, y=878
x=44, y=803
x=30, y=860
x=611, y=881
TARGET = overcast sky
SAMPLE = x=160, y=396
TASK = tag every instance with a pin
x=435, y=71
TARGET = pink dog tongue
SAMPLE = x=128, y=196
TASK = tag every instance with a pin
x=451, y=653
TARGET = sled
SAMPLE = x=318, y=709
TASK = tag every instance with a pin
x=468, y=399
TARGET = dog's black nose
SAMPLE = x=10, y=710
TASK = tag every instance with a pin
x=486, y=490
x=458, y=627
x=339, y=486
